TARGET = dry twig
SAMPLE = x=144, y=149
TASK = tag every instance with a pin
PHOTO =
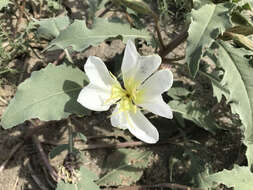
x=60, y=58
x=35, y=178
x=3, y=100
x=52, y=172
x=13, y=151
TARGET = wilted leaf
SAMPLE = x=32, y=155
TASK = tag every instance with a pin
x=49, y=94
x=79, y=37
x=126, y=167
x=208, y=22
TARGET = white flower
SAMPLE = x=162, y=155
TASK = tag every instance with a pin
x=143, y=86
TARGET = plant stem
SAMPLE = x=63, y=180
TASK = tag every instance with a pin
x=68, y=56
x=174, y=43
x=71, y=140
x=60, y=58
x=3, y=100
x=158, y=31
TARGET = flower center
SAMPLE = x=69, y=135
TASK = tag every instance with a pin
x=127, y=97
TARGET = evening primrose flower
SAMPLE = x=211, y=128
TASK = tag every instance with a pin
x=143, y=86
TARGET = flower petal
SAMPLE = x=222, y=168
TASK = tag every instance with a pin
x=158, y=83
x=97, y=72
x=147, y=65
x=94, y=98
x=157, y=106
x=130, y=59
x=118, y=119
x=142, y=128
x=138, y=68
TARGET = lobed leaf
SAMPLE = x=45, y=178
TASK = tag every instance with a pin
x=79, y=37
x=208, y=22
x=49, y=94
x=238, y=80
x=86, y=181
x=193, y=112
x=138, y=6
x=240, y=177
x=4, y=3
x=126, y=167
x=245, y=2
x=50, y=28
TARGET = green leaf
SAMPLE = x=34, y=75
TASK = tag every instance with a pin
x=94, y=6
x=4, y=3
x=238, y=80
x=218, y=89
x=87, y=178
x=245, y=2
x=79, y=37
x=193, y=112
x=177, y=92
x=126, y=167
x=65, y=186
x=208, y=22
x=199, y=3
x=239, y=177
x=138, y=6
x=80, y=136
x=50, y=28
x=49, y=94
x=202, y=180
x=57, y=150
x=86, y=182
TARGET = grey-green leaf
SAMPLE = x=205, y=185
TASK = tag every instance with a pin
x=50, y=28
x=238, y=80
x=49, y=94
x=240, y=177
x=86, y=181
x=244, y=2
x=57, y=150
x=126, y=167
x=208, y=22
x=193, y=112
x=79, y=37
x=4, y=3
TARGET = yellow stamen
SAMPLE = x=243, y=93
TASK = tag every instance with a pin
x=127, y=97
